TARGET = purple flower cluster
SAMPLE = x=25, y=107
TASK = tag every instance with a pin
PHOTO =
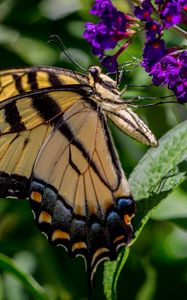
x=113, y=26
x=166, y=65
x=168, y=11
x=171, y=70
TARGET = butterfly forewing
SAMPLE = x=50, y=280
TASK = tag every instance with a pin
x=30, y=97
x=18, y=81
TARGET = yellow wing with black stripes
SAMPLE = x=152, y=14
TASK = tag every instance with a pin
x=56, y=149
x=30, y=97
x=31, y=102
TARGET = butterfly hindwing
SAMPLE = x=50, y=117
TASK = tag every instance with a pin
x=75, y=195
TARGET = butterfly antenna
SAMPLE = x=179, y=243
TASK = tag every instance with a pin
x=133, y=101
x=121, y=72
x=118, y=76
x=58, y=41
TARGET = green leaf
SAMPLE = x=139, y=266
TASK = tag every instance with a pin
x=160, y=171
x=147, y=290
x=112, y=271
x=173, y=209
x=28, y=281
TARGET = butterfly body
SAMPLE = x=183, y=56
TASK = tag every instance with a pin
x=56, y=149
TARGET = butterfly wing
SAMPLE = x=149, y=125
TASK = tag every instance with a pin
x=17, y=155
x=18, y=81
x=30, y=97
x=31, y=102
x=81, y=197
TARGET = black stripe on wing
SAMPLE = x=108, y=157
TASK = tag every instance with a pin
x=12, y=117
x=81, y=89
x=69, y=134
x=18, y=84
x=32, y=80
x=46, y=106
x=110, y=145
x=54, y=80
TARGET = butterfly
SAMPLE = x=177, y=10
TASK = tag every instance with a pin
x=56, y=149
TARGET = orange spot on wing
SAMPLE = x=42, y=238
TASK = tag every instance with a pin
x=97, y=253
x=127, y=219
x=118, y=238
x=79, y=245
x=36, y=196
x=44, y=217
x=59, y=234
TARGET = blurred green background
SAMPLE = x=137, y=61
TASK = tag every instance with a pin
x=157, y=266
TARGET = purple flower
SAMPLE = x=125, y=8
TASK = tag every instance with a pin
x=103, y=9
x=159, y=1
x=165, y=66
x=169, y=11
x=180, y=90
x=171, y=70
x=112, y=27
x=99, y=37
x=171, y=14
x=109, y=62
x=154, y=29
x=183, y=57
x=152, y=53
x=144, y=13
x=164, y=71
x=183, y=3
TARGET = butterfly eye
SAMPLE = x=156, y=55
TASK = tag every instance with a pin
x=95, y=72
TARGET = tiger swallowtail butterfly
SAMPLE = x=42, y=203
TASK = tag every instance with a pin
x=56, y=150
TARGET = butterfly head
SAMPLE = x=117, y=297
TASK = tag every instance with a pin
x=102, y=83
